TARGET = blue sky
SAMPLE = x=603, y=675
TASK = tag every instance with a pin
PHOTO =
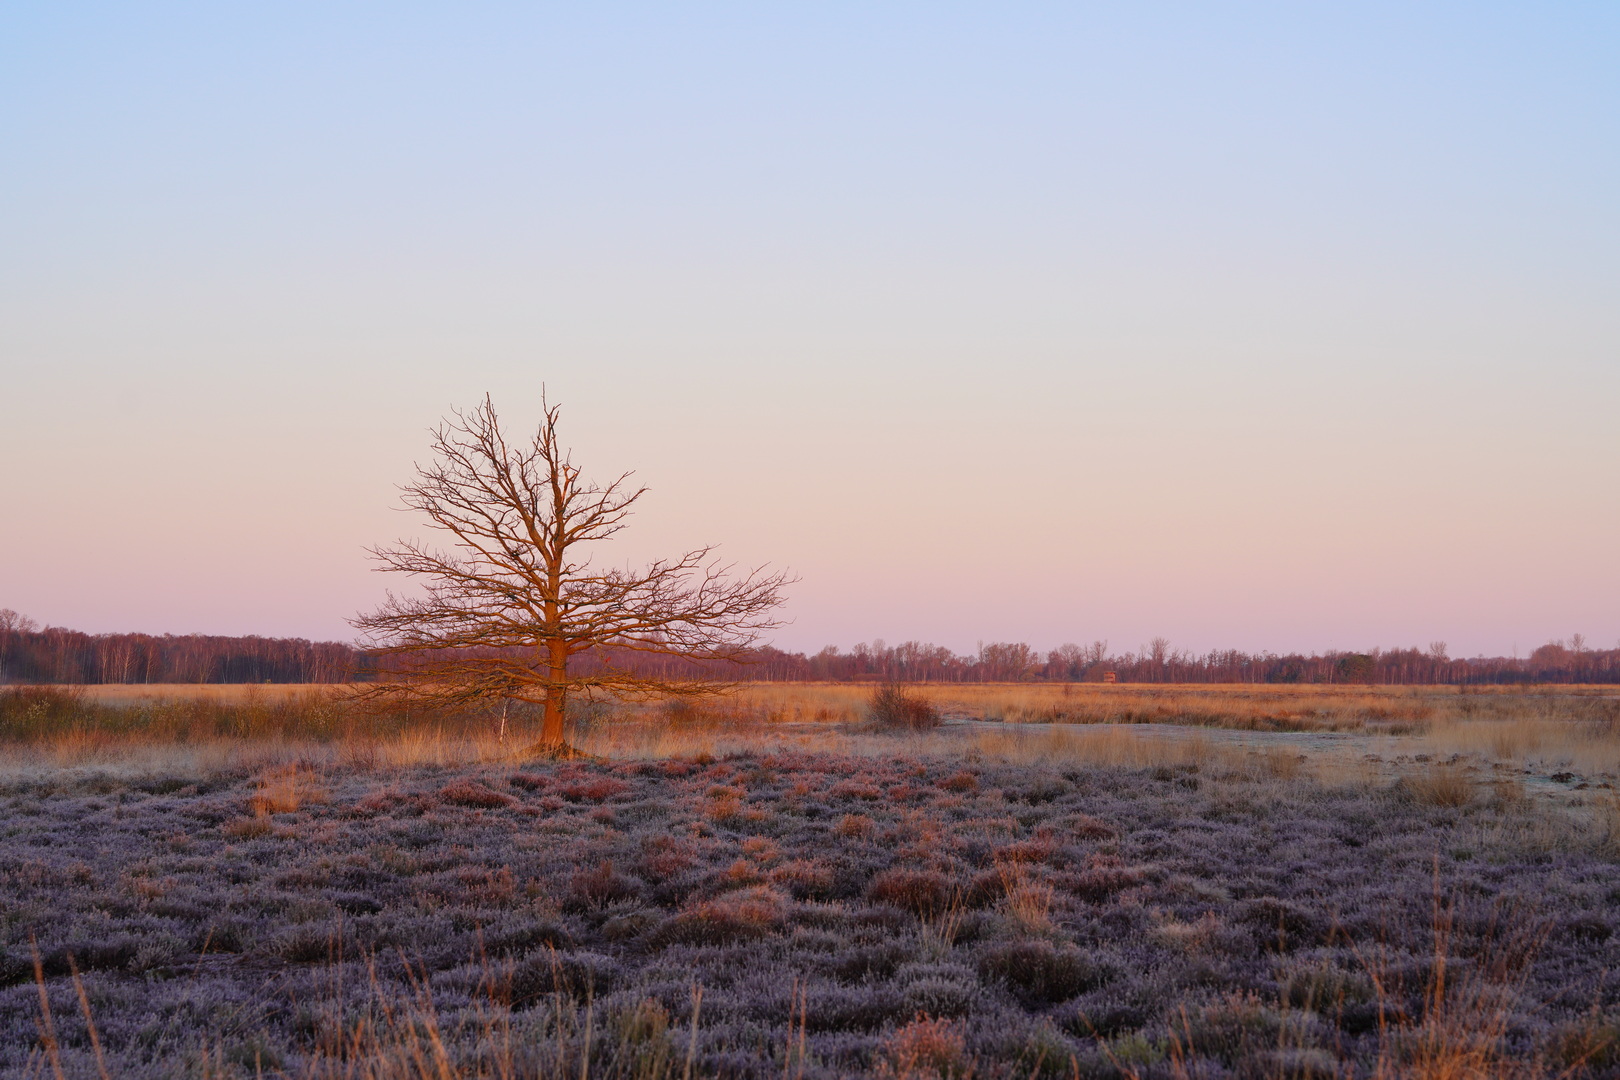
x=1273, y=326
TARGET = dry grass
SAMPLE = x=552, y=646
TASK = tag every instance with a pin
x=283, y=790
x=129, y=694
x=1513, y=748
x=1243, y=706
x=1441, y=785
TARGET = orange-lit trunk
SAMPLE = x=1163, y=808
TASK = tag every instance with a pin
x=551, y=726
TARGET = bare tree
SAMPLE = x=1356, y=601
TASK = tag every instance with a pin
x=517, y=597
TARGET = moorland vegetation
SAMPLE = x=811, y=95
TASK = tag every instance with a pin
x=798, y=881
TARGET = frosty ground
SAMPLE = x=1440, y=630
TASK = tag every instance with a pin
x=902, y=907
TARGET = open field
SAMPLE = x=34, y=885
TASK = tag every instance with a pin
x=1299, y=882
x=1534, y=733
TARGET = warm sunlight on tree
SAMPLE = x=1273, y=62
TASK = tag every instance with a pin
x=517, y=595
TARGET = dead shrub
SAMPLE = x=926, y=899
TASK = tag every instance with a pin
x=664, y=857
x=735, y=916
x=597, y=789
x=924, y=893
x=724, y=809
x=893, y=708
x=471, y=793
x=742, y=872
x=805, y=879
x=592, y=890
x=394, y=802
x=854, y=826
x=761, y=849
x=1103, y=876
x=858, y=787
x=961, y=783
x=1035, y=850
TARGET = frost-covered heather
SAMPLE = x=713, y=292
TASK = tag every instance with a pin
x=842, y=915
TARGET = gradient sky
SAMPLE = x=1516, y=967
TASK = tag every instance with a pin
x=1270, y=326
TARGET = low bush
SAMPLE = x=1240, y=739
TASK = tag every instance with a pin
x=924, y=893
x=894, y=708
x=737, y=916
x=1039, y=972
x=471, y=793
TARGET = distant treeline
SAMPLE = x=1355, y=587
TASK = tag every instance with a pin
x=55, y=655
x=1556, y=662
x=29, y=654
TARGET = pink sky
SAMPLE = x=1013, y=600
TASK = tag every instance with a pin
x=1258, y=330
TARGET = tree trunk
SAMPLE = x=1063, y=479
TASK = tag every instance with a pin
x=551, y=727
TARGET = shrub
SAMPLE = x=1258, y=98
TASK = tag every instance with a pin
x=892, y=707
x=473, y=794
x=1280, y=925
x=576, y=975
x=853, y=1008
x=737, y=916
x=866, y=962
x=31, y=712
x=1102, y=878
x=1235, y=1027
x=1039, y=972
x=940, y=996
x=599, y=789
x=1086, y=827
x=520, y=938
x=854, y=825
x=804, y=878
x=664, y=857
x=483, y=886
x=924, y=893
x=596, y=889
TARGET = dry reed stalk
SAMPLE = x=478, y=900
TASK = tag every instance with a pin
x=89, y=1020
x=691, y=1044
x=46, y=1025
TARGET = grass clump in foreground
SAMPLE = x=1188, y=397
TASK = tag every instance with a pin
x=912, y=906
